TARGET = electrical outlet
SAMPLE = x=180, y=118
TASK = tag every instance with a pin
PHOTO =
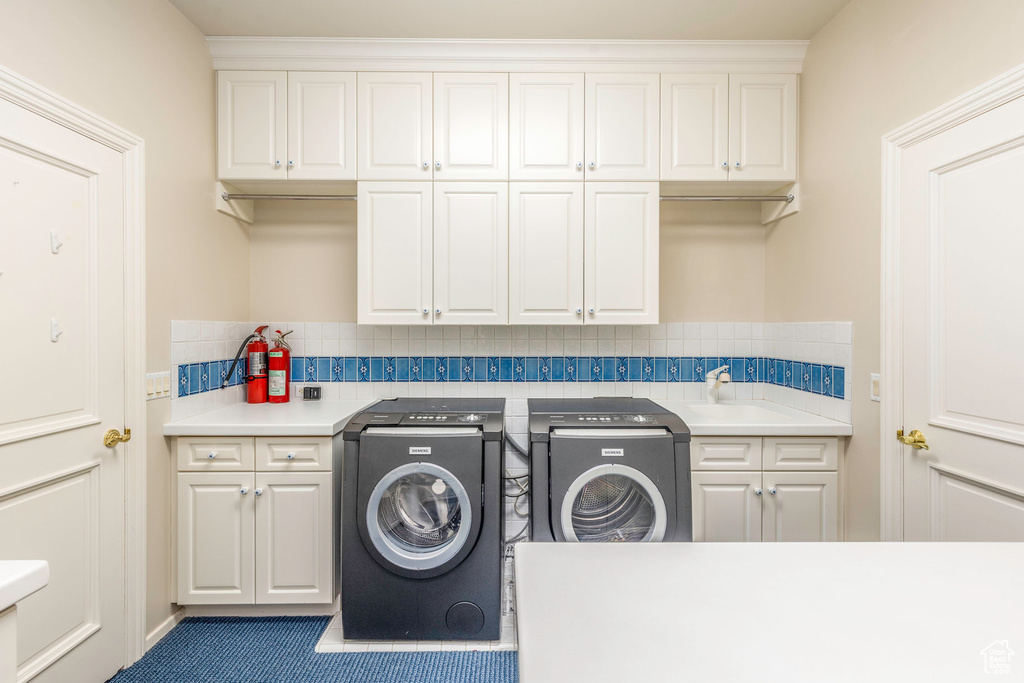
x=876, y=387
x=310, y=393
x=158, y=385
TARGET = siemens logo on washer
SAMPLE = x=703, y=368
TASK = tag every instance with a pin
x=612, y=452
x=419, y=450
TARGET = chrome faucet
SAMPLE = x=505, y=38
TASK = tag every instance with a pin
x=713, y=381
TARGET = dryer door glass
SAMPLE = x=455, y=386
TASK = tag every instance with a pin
x=419, y=516
x=613, y=503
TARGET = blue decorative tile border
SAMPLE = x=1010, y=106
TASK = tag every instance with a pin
x=815, y=378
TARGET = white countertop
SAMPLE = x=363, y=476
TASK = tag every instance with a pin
x=752, y=418
x=20, y=579
x=794, y=612
x=295, y=418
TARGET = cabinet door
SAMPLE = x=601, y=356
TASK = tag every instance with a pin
x=621, y=245
x=252, y=133
x=800, y=506
x=546, y=126
x=394, y=245
x=726, y=506
x=470, y=126
x=395, y=126
x=762, y=126
x=471, y=253
x=321, y=125
x=695, y=127
x=215, y=538
x=546, y=253
x=621, y=127
x=294, y=543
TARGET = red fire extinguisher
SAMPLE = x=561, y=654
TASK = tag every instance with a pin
x=280, y=368
x=255, y=346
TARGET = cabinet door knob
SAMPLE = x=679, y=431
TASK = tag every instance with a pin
x=277, y=163
x=437, y=311
x=291, y=163
x=258, y=492
x=578, y=311
x=211, y=455
x=725, y=165
x=426, y=164
x=579, y=164
x=426, y=311
x=737, y=164
x=591, y=164
x=437, y=164
x=244, y=490
x=758, y=492
x=590, y=311
x=772, y=491
x=291, y=456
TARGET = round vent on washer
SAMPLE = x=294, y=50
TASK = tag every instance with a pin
x=464, y=619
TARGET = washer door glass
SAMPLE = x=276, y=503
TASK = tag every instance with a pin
x=418, y=516
x=613, y=503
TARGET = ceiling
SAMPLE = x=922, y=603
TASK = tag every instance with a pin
x=522, y=19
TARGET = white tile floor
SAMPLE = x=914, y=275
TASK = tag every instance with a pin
x=333, y=640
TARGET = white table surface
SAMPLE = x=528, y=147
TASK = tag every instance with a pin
x=752, y=418
x=20, y=579
x=759, y=612
x=295, y=418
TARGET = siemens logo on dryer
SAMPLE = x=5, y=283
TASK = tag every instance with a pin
x=612, y=452
x=419, y=450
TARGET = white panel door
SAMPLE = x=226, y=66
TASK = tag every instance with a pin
x=471, y=253
x=726, y=506
x=321, y=125
x=470, y=126
x=394, y=125
x=695, y=127
x=762, y=126
x=215, y=538
x=62, y=370
x=800, y=506
x=252, y=124
x=621, y=253
x=545, y=253
x=962, y=229
x=545, y=128
x=294, y=541
x=622, y=133
x=395, y=249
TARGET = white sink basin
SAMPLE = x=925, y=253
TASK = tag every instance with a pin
x=737, y=413
x=752, y=418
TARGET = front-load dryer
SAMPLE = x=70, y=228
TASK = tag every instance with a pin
x=608, y=470
x=421, y=520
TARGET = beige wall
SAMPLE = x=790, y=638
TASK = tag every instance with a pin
x=304, y=262
x=877, y=65
x=141, y=65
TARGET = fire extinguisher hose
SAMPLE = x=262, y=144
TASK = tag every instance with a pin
x=238, y=355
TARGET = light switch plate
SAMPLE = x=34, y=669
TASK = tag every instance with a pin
x=158, y=385
x=876, y=387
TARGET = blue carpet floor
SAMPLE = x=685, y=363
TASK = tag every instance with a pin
x=281, y=650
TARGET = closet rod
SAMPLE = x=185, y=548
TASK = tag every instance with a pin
x=772, y=198
x=228, y=196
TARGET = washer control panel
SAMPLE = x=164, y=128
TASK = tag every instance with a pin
x=444, y=418
x=604, y=419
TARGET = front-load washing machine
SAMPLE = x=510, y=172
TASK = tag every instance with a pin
x=421, y=520
x=608, y=470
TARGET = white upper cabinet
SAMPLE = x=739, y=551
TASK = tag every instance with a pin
x=729, y=127
x=395, y=126
x=395, y=253
x=470, y=126
x=622, y=132
x=252, y=135
x=321, y=125
x=762, y=126
x=471, y=253
x=621, y=225
x=546, y=254
x=546, y=126
x=695, y=127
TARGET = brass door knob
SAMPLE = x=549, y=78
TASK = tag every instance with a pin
x=114, y=437
x=914, y=439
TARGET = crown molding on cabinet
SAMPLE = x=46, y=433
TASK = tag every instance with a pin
x=378, y=54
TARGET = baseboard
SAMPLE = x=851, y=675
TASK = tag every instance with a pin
x=328, y=609
x=157, y=634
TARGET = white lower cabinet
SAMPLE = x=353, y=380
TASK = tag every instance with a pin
x=257, y=537
x=734, y=499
